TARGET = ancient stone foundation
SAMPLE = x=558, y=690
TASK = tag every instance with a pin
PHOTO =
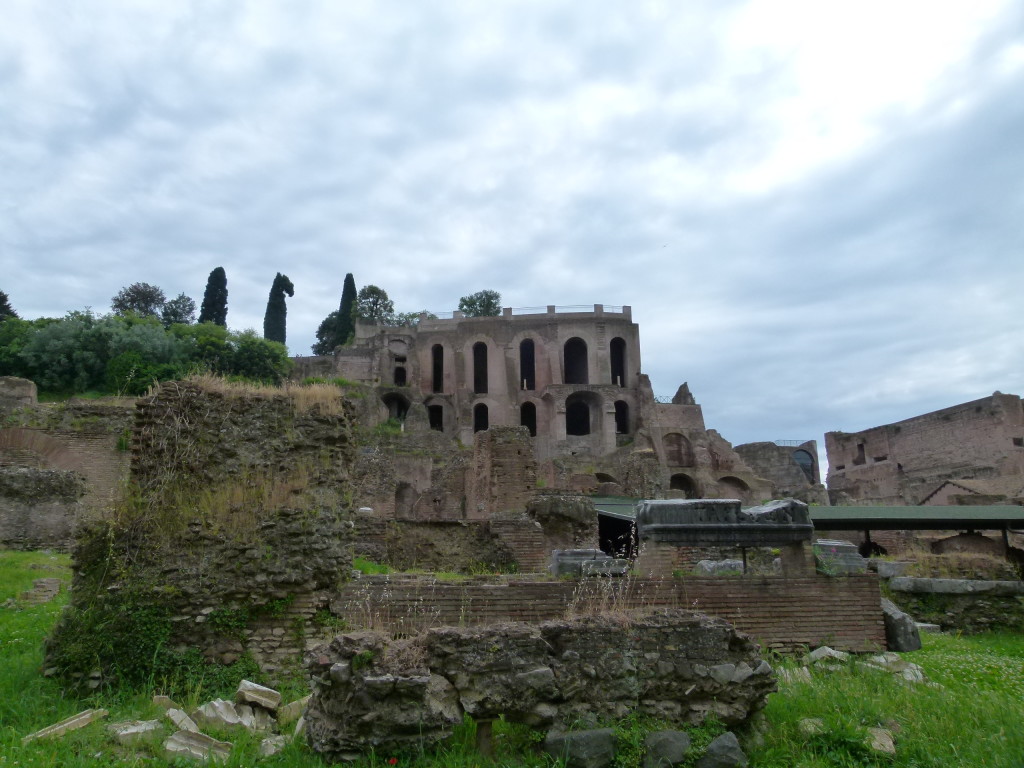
x=371, y=692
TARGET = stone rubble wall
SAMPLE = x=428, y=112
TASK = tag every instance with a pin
x=372, y=692
x=782, y=613
x=39, y=507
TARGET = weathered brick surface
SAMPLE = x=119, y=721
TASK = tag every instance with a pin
x=782, y=613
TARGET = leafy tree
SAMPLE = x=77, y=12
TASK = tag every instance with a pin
x=258, y=359
x=412, y=318
x=374, y=307
x=180, y=309
x=14, y=335
x=337, y=328
x=215, y=299
x=327, y=334
x=275, y=319
x=143, y=299
x=6, y=310
x=481, y=304
x=205, y=346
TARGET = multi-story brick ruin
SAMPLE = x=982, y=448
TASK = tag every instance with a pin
x=968, y=453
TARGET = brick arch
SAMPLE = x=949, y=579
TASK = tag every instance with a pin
x=53, y=452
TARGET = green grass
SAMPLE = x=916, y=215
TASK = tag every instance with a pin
x=972, y=716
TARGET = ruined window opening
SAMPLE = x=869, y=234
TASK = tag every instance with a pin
x=1019, y=442
x=397, y=406
x=528, y=417
x=437, y=352
x=840, y=467
x=435, y=415
x=881, y=458
x=480, y=418
x=859, y=458
x=399, y=358
x=399, y=376
x=527, y=364
x=678, y=451
x=405, y=500
x=480, y=368
x=805, y=461
x=604, y=477
x=622, y=417
x=618, y=361
x=577, y=417
x=684, y=483
x=576, y=362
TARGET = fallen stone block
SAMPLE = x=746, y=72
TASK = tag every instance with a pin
x=823, y=653
x=197, y=746
x=182, y=722
x=923, y=626
x=221, y=713
x=900, y=629
x=582, y=749
x=723, y=752
x=164, y=702
x=665, y=749
x=67, y=725
x=132, y=731
x=272, y=745
x=881, y=740
x=253, y=693
x=292, y=712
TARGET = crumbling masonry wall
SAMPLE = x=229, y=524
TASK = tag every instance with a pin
x=371, y=692
x=39, y=507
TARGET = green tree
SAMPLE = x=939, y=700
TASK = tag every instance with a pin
x=205, y=346
x=327, y=334
x=258, y=359
x=481, y=304
x=412, y=318
x=275, y=319
x=180, y=309
x=215, y=299
x=6, y=310
x=142, y=299
x=337, y=328
x=374, y=307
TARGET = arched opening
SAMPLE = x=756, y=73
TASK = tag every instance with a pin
x=399, y=377
x=435, y=416
x=733, y=488
x=805, y=461
x=397, y=406
x=684, y=483
x=528, y=417
x=678, y=451
x=437, y=368
x=577, y=416
x=604, y=477
x=480, y=417
x=618, y=361
x=576, y=361
x=480, y=368
x=527, y=364
x=622, y=417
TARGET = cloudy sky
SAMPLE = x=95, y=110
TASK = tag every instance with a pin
x=815, y=209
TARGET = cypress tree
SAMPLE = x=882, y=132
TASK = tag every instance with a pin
x=275, y=319
x=346, y=320
x=215, y=300
x=6, y=310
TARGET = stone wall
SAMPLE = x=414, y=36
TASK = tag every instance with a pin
x=374, y=693
x=962, y=605
x=782, y=613
x=504, y=473
x=39, y=507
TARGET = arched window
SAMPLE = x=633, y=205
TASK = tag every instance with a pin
x=576, y=362
x=618, y=361
x=684, y=483
x=577, y=416
x=622, y=417
x=397, y=406
x=805, y=461
x=437, y=378
x=480, y=368
x=528, y=417
x=480, y=417
x=527, y=364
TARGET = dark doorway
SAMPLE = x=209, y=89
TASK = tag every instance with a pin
x=480, y=368
x=618, y=360
x=576, y=362
x=399, y=376
x=480, y=417
x=527, y=365
x=622, y=417
x=577, y=417
x=397, y=406
x=435, y=414
x=617, y=537
x=684, y=483
x=528, y=417
x=405, y=499
x=437, y=379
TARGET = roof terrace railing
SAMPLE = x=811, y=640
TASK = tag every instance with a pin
x=608, y=309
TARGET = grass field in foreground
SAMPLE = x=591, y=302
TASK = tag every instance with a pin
x=970, y=714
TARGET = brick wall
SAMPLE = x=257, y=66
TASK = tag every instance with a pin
x=781, y=613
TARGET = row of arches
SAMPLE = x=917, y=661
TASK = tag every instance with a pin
x=575, y=359
x=727, y=487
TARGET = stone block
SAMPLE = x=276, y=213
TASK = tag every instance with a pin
x=665, y=749
x=164, y=702
x=582, y=749
x=197, y=746
x=182, y=721
x=723, y=752
x=221, y=713
x=901, y=632
x=253, y=693
x=133, y=731
x=289, y=713
x=837, y=557
x=719, y=567
x=272, y=745
x=881, y=740
x=67, y=725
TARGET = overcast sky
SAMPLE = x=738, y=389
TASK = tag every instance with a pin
x=815, y=209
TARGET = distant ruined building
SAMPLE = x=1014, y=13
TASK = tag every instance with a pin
x=972, y=453
x=570, y=377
